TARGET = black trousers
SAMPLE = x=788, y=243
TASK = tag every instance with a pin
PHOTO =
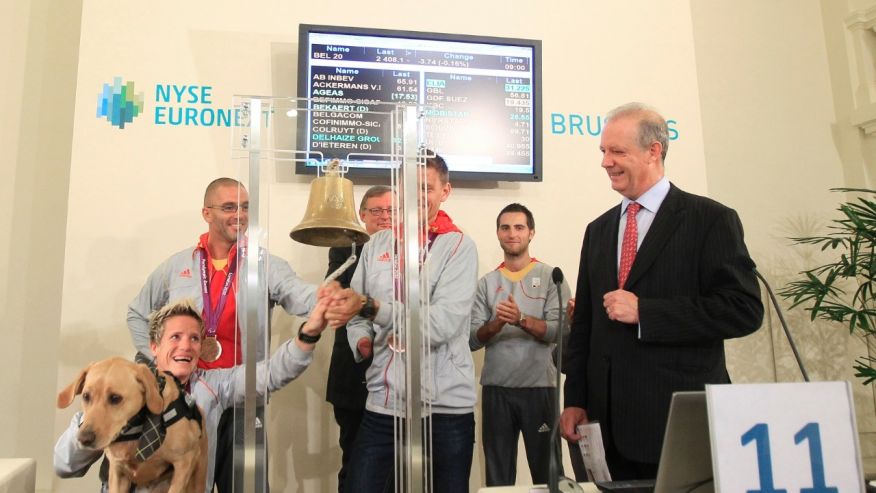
x=228, y=469
x=577, y=462
x=619, y=466
x=508, y=412
x=348, y=420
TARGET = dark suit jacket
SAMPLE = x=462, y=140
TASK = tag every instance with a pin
x=346, y=379
x=694, y=280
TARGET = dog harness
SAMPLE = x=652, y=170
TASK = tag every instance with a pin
x=150, y=429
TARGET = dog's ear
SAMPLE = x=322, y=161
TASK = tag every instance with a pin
x=65, y=397
x=154, y=400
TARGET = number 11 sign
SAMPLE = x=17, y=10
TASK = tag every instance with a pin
x=784, y=438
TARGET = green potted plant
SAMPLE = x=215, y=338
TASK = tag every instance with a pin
x=843, y=290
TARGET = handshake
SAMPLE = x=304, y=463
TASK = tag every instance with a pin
x=335, y=306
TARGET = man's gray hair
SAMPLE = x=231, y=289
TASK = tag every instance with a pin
x=375, y=191
x=158, y=318
x=652, y=125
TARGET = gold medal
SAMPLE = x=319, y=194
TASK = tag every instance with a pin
x=210, y=349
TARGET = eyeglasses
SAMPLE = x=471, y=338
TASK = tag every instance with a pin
x=377, y=211
x=230, y=207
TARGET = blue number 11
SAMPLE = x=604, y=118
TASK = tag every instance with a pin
x=811, y=432
x=759, y=433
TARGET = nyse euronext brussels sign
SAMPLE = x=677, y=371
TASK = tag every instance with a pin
x=576, y=124
x=191, y=105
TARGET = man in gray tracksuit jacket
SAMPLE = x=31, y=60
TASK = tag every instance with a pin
x=170, y=282
x=451, y=269
x=516, y=317
x=452, y=262
x=212, y=264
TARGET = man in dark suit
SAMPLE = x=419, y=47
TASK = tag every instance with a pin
x=346, y=379
x=664, y=279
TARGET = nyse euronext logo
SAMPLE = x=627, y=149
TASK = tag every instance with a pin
x=118, y=103
x=174, y=105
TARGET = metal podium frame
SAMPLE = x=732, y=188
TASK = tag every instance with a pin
x=263, y=134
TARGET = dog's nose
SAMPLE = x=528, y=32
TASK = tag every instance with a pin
x=86, y=437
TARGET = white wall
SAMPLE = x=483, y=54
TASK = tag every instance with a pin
x=37, y=86
x=773, y=154
x=770, y=154
x=14, y=35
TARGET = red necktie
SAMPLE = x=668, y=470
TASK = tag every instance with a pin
x=628, y=247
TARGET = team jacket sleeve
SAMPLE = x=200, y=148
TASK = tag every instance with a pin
x=286, y=364
x=287, y=289
x=71, y=459
x=359, y=327
x=152, y=296
x=451, y=299
x=552, y=310
x=481, y=313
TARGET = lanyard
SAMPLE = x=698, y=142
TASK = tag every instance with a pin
x=211, y=316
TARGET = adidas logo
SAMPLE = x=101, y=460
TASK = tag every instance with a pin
x=384, y=258
x=544, y=428
x=186, y=273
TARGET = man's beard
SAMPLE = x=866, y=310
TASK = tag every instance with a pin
x=521, y=251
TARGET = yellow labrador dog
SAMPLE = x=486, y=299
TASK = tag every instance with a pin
x=114, y=392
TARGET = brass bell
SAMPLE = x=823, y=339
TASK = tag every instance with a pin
x=330, y=219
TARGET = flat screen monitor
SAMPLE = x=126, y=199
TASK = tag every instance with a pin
x=481, y=99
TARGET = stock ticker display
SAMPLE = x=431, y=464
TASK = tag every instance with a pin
x=477, y=98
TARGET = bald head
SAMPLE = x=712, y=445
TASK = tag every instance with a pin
x=217, y=184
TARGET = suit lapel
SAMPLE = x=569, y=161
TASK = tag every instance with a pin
x=665, y=222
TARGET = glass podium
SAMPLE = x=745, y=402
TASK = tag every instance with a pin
x=268, y=142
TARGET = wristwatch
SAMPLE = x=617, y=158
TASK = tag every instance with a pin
x=307, y=338
x=521, y=319
x=368, y=309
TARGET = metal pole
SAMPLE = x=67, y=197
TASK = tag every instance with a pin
x=254, y=299
x=414, y=322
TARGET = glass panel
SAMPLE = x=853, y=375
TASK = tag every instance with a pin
x=267, y=146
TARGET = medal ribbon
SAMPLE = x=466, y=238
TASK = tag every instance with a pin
x=211, y=316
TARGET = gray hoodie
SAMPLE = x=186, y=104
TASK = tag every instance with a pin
x=452, y=265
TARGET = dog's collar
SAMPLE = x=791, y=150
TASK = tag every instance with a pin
x=149, y=428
